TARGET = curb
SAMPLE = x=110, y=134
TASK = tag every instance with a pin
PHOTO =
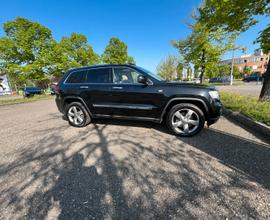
x=255, y=126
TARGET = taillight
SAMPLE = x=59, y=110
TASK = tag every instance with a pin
x=56, y=89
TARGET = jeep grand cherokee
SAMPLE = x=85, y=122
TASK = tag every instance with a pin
x=131, y=92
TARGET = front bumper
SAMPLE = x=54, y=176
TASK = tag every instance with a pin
x=215, y=112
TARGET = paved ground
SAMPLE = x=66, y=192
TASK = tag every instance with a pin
x=127, y=169
x=251, y=89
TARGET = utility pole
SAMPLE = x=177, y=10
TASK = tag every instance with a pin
x=231, y=77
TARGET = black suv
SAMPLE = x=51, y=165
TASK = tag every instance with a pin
x=131, y=92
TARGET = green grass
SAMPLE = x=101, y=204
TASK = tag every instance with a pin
x=258, y=111
x=20, y=99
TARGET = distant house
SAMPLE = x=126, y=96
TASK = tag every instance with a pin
x=257, y=62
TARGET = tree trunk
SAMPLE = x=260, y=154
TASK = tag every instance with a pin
x=202, y=66
x=265, y=92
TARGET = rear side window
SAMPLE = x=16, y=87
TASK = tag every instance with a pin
x=101, y=75
x=77, y=77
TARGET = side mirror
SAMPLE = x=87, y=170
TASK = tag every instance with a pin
x=142, y=79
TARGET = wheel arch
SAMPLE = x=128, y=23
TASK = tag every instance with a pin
x=70, y=99
x=200, y=103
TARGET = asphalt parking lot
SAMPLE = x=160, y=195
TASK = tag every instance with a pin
x=251, y=89
x=127, y=170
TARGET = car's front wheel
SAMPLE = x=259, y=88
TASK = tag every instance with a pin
x=185, y=119
x=77, y=115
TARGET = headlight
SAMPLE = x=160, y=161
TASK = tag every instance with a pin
x=214, y=94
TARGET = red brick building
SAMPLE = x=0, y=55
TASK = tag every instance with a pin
x=257, y=62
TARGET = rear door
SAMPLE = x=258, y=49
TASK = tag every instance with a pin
x=97, y=90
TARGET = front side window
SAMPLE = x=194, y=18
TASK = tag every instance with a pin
x=125, y=76
x=101, y=75
x=77, y=77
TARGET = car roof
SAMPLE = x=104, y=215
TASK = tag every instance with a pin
x=102, y=65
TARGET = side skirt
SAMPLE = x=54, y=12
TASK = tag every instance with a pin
x=156, y=120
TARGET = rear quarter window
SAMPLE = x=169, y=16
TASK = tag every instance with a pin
x=77, y=77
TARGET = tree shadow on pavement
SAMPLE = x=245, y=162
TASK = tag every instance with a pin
x=129, y=171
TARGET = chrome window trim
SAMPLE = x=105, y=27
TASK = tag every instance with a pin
x=122, y=106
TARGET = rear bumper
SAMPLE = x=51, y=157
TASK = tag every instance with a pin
x=59, y=104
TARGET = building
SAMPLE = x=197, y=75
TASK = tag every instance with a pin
x=257, y=62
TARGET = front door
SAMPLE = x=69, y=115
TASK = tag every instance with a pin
x=130, y=98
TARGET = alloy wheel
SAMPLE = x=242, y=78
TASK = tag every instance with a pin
x=75, y=115
x=185, y=121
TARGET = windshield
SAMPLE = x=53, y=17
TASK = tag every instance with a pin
x=155, y=76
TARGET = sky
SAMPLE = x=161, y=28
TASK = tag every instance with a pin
x=146, y=26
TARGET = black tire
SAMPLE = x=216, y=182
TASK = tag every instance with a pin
x=182, y=108
x=86, y=117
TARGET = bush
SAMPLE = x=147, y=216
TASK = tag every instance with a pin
x=258, y=111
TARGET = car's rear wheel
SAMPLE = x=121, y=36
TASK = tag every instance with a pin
x=77, y=114
x=185, y=120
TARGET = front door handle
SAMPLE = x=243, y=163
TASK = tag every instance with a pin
x=83, y=87
x=117, y=87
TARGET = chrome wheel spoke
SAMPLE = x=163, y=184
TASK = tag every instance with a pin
x=179, y=115
x=80, y=119
x=194, y=122
x=189, y=114
x=186, y=128
x=177, y=124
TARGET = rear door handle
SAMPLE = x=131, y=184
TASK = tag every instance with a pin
x=117, y=87
x=84, y=87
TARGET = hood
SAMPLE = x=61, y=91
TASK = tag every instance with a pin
x=190, y=85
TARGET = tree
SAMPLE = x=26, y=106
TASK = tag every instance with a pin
x=247, y=70
x=224, y=70
x=236, y=72
x=21, y=48
x=169, y=68
x=70, y=52
x=238, y=15
x=116, y=52
x=179, y=71
x=203, y=48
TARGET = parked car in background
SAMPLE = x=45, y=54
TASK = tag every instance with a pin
x=30, y=91
x=254, y=77
x=223, y=79
x=131, y=92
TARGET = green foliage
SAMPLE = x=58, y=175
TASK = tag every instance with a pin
x=239, y=16
x=201, y=40
x=116, y=52
x=179, y=70
x=21, y=49
x=236, y=15
x=30, y=55
x=236, y=73
x=258, y=111
x=70, y=52
x=169, y=68
x=247, y=70
x=224, y=70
